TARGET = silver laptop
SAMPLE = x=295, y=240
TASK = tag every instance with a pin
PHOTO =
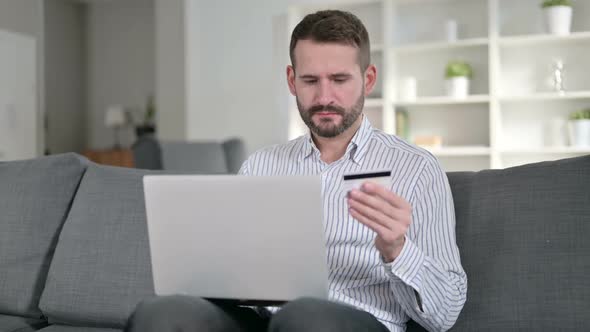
x=249, y=239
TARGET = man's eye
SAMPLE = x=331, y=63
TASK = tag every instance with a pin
x=310, y=81
x=340, y=80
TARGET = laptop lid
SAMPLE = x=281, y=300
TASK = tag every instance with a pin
x=252, y=239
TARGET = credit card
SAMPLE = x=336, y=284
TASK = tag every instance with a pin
x=355, y=180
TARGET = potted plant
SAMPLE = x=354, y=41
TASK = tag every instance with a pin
x=148, y=123
x=579, y=128
x=558, y=14
x=458, y=75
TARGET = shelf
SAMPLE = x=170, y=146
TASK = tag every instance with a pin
x=443, y=45
x=459, y=151
x=531, y=40
x=548, y=96
x=513, y=58
x=437, y=101
x=547, y=150
x=373, y=102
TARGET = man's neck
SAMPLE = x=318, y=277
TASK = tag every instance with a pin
x=333, y=148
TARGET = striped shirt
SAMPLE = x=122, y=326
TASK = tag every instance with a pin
x=426, y=281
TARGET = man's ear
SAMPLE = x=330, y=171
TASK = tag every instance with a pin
x=291, y=79
x=370, y=79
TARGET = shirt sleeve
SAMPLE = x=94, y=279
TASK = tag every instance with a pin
x=245, y=169
x=433, y=285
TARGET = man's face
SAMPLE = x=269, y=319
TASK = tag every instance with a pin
x=329, y=86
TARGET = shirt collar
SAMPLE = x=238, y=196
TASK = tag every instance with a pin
x=356, y=148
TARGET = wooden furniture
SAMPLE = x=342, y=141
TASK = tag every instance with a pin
x=113, y=157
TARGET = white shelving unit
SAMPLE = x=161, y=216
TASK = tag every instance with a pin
x=547, y=96
x=513, y=114
x=461, y=151
x=437, y=101
x=434, y=46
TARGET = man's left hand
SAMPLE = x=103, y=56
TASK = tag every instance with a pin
x=387, y=214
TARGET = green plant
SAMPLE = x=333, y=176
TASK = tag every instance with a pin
x=458, y=69
x=150, y=112
x=551, y=3
x=581, y=115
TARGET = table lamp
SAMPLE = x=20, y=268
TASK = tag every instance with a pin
x=116, y=119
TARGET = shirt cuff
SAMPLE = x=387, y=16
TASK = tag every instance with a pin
x=407, y=266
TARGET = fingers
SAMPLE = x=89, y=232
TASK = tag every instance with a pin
x=372, y=188
x=369, y=212
x=371, y=201
x=380, y=204
x=388, y=235
x=381, y=230
x=392, y=220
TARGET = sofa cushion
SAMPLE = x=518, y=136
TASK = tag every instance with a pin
x=61, y=328
x=35, y=196
x=523, y=236
x=101, y=268
x=20, y=324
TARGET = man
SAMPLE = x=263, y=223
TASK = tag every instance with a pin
x=392, y=253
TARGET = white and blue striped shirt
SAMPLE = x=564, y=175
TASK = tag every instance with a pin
x=429, y=263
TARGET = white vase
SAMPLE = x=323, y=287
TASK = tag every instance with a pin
x=451, y=31
x=457, y=87
x=559, y=19
x=579, y=132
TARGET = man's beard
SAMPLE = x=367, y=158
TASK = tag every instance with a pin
x=328, y=130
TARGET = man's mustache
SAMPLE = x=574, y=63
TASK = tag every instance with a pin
x=326, y=108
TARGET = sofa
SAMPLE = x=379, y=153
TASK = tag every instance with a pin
x=209, y=157
x=74, y=252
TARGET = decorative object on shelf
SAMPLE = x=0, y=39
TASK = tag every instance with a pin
x=579, y=128
x=116, y=118
x=558, y=14
x=408, y=89
x=458, y=76
x=402, y=125
x=557, y=76
x=428, y=141
x=451, y=30
x=148, y=123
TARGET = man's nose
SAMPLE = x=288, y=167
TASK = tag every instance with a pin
x=325, y=95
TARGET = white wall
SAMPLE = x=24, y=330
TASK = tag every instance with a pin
x=65, y=76
x=121, y=62
x=26, y=17
x=18, y=96
x=232, y=89
x=20, y=16
x=171, y=97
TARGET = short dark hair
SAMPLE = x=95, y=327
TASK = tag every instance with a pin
x=333, y=26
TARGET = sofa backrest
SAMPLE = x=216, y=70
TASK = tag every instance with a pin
x=523, y=236
x=101, y=268
x=197, y=157
x=147, y=153
x=35, y=197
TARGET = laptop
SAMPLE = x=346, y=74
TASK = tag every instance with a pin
x=254, y=240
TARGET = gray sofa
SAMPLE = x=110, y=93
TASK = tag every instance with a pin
x=74, y=251
x=201, y=156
